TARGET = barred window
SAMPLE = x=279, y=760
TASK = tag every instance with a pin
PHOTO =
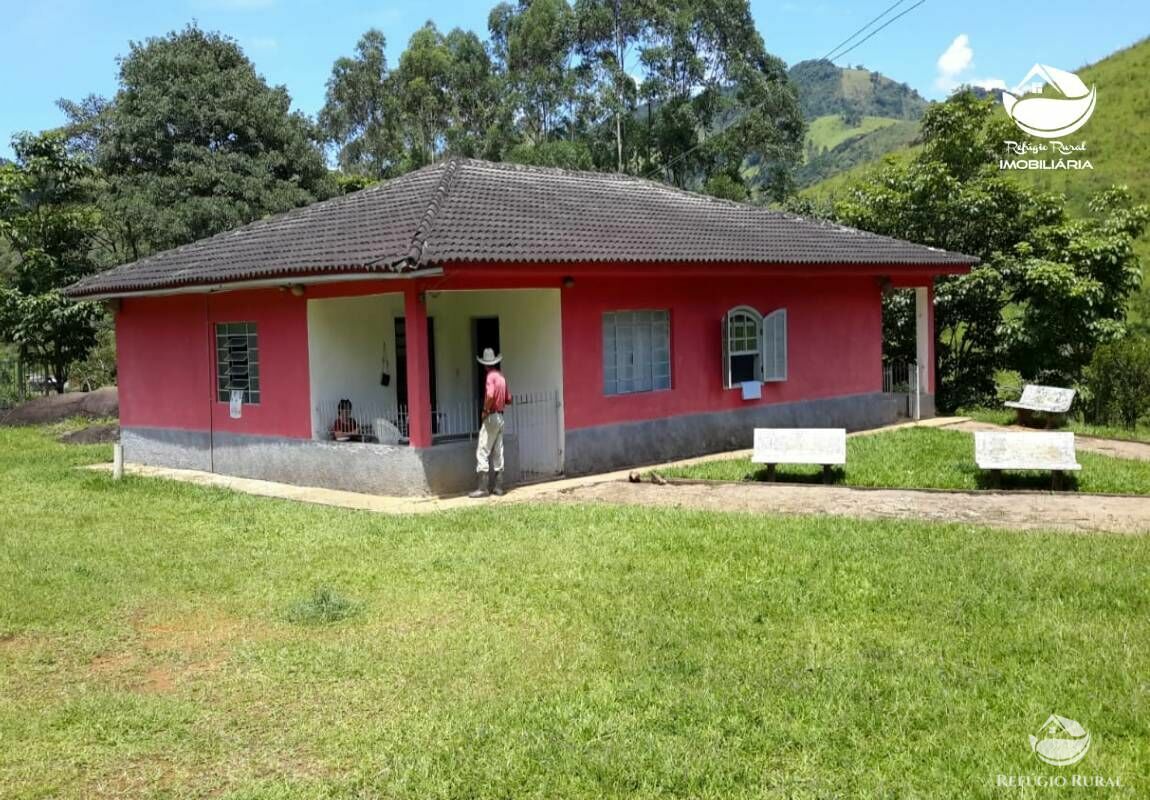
x=237, y=361
x=636, y=351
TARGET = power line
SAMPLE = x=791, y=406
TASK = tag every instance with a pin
x=749, y=111
x=895, y=18
x=835, y=49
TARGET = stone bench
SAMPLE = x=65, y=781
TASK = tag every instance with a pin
x=825, y=446
x=997, y=451
x=1050, y=401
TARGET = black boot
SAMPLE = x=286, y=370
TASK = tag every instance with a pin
x=497, y=490
x=481, y=487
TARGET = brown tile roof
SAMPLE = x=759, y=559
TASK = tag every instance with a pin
x=467, y=210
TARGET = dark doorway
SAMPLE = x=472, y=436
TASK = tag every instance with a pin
x=484, y=333
x=401, y=366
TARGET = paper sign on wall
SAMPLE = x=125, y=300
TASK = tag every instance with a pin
x=236, y=407
x=752, y=390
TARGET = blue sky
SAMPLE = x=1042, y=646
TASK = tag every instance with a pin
x=68, y=48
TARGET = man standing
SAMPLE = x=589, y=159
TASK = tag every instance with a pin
x=489, y=454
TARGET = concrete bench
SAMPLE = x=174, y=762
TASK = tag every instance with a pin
x=1050, y=401
x=825, y=446
x=996, y=451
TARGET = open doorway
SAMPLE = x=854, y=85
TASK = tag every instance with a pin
x=400, y=334
x=484, y=334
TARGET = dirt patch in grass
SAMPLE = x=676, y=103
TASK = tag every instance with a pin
x=159, y=656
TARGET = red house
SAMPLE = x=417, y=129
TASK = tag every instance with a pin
x=637, y=323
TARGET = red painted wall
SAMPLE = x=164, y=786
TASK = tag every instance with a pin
x=834, y=342
x=166, y=359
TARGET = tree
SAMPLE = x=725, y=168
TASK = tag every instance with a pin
x=195, y=142
x=49, y=222
x=534, y=42
x=717, y=95
x=361, y=114
x=1049, y=288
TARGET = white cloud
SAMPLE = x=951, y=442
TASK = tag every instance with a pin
x=954, y=64
x=957, y=58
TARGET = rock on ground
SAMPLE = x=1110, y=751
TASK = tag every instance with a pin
x=56, y=407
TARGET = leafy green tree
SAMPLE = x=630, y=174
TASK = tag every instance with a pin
x=1118, y=381
x=560, y=153
x=534, y=43
x=195, y=142
x=50, y=224
x=1049, y=288
x=361, y=114
x=717, y=95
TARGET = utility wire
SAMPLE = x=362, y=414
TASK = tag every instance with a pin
x=895, y=18
x=837, y=56
x=847, y=40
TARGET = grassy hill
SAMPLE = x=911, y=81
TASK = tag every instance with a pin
x=855, y=115
x=1117, y=136
x=1117, y=139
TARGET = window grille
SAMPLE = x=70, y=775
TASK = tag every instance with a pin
x=237, y=361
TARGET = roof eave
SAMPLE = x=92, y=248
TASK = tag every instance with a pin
x=279, y=281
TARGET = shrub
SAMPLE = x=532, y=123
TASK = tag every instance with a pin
x=325, y=605
x=1118, y=381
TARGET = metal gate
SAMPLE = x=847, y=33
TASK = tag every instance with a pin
x=903, y=379
x=535, y=419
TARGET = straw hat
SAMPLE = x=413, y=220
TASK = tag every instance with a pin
x=489, y=359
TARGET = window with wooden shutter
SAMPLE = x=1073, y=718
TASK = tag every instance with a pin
x=743, y=345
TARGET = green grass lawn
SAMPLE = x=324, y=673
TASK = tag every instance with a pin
x=164, y=640
x=929, y=458
x=1005, y=416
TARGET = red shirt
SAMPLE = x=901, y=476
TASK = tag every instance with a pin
x=495, y=394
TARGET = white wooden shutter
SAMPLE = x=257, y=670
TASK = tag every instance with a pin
x=774, y=359
x=726, y=353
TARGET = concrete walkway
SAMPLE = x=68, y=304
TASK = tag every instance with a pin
x=1016, y=510
x=418, y=505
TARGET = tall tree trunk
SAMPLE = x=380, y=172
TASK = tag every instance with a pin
x=619, y=83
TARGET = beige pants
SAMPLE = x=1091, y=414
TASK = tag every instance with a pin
x=489, y=454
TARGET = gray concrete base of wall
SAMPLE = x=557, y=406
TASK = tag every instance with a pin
x=447, y=468
x=610, y=447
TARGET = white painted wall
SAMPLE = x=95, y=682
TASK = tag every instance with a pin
x=348, y=338
x=530, y=332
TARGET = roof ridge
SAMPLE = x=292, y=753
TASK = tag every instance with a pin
x=423, y=230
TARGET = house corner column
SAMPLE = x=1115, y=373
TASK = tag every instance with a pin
x=924, y=346
x=418, y=373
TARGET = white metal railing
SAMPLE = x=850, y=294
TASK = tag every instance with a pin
x=533, y=418
x=363, y=422
x=379, y=423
